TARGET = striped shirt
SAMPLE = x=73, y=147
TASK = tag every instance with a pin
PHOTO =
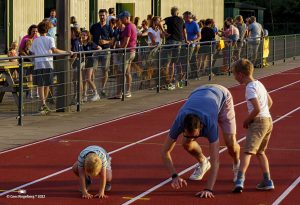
x=94, y=149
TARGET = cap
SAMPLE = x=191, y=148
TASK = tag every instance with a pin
x=124, y=14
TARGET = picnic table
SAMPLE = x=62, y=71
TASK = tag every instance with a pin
x=7, y=82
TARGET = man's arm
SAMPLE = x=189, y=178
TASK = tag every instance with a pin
x=125, y=42
x=214, y=159
x=169, y=145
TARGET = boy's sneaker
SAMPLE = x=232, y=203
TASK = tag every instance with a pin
x=171, y=86
x=44, y=108
x=239, y=186
x=84, y=98
x=265, y=185
x=96, y=97
x=180, y=84
x=200, y=170
x=107, y=186
x=235, y=169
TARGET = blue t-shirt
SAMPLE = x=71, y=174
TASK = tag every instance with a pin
x=192, y=29
x=206, y=102
x=101, y=33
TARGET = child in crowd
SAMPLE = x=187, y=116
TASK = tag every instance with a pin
x=13, y=51
x=259, y=124
x=93, y=161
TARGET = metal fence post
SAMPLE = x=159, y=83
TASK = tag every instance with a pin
x=20, y=103
x=188, y=66
x=230, y=56
x=210, y=62
x=247, y=57
x=274, y=50
x=124, y=75
x=159, y=71
x=284, y=59
x=295, y=47
x=262, y=52
x=79, y=79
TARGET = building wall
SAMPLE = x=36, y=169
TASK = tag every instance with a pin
x=201, y=8
x=142, y=7
x=80, y=9
x=24, y=14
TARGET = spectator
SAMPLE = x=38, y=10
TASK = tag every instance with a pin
x=176, y=34
x=111, y=15
x=128, y=42
x=243, y=33
x=154, y=32
x=256, y=32
x=43, y=66
x=102, y=35
x=31, y=34
x=52, y=17
x=13, y=51
x=193, y=36
x=89, y=45
x=74, y=22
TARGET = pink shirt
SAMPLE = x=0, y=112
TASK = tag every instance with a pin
x=130, y=31
x=23, y=41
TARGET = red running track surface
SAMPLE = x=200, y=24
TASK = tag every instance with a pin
x=139, y=167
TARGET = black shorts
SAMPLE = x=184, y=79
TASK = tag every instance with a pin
x=43, y=77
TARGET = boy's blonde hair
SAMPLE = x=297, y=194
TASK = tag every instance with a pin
x=243, y=66
x=92, y=164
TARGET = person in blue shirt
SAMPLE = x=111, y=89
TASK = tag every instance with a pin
x=207, y=107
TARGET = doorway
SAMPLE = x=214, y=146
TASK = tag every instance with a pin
x=49, y=4
x=3, y=28
x=126, y=7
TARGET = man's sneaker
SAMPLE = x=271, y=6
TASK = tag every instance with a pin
x=44, y=109
x=107, y=186
x=200, y=170
x=235, y=169
x=128, y=95
x=96, y=97
x=239, y=186
x=180, y=84
x=265, y=185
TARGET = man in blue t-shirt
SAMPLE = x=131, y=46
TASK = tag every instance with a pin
x=206, y=107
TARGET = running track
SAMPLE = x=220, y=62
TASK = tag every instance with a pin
x=43, y=168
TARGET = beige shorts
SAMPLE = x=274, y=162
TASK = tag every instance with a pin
x=227, y=115
x=258, y=135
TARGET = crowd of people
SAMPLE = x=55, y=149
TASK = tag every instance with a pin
x=176, y=33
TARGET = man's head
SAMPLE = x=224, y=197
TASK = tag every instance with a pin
x=252, y=19
x=92, y=164
x=174, y=11
x=187, y=16
x=102, y=15
x=192, y=126
x=124, y=17
x=242, y=69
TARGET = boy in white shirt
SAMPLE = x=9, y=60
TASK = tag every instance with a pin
x=259, y=124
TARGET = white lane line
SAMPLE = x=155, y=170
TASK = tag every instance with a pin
x=287, y=191
x=120, y=118
x=122, y=148
x=69, y=168
x=193, y=166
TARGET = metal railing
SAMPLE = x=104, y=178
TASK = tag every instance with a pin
x=78, y=79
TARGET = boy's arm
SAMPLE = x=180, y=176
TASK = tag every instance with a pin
x=214, y=159
x=253, y=114
x=101, y=193
x=84, y=191
x=270, y=101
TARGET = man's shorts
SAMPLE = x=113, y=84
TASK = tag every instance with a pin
x=128, y=60
x=104, y=60
x=227, y=115
x=43, y=77
x=258, y=135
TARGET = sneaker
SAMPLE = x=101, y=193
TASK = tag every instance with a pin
x=200, y=170
x=235, y=169
x=128, y=95
x=84, y=98
x=239, y=186
x=107, y=186
x=96, y=97
x=180, y=84
x=103, y=93
x=265, y=185
x=171, y=86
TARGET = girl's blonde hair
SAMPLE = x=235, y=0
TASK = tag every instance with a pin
x=92, y=164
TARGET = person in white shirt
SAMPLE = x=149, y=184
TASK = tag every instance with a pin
x=259, y=124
